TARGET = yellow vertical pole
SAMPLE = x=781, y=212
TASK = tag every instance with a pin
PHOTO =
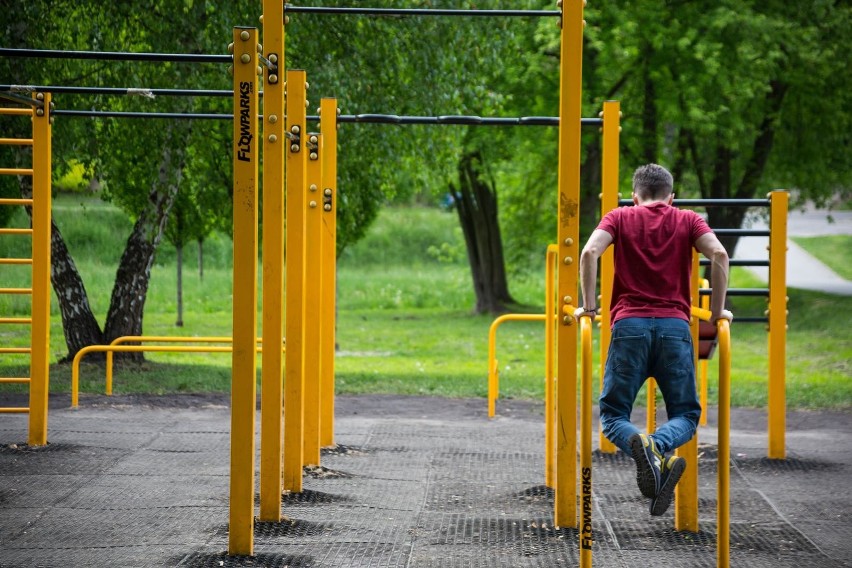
x=40, y=328
x=328, y=301
x=585, y=533
x=651, y=405
x=723, y=481
x=686, y=492
x=568, y=200
x=777, y=324
x=703, y=364
x=272, y=360
x=244, y=359
x=549, y=313
x=294, y=362
x=313, y=311
x=609, y=200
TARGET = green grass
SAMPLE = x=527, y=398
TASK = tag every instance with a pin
x=832, y=250
x=404, y=320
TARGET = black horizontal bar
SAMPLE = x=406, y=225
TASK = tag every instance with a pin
x=456, y=119
x=711, y=202
x=21, y=99
x=738, y=291
x=120, y=91
x=116, y=55
x=742, y=232
x=737, y=262
x=416, y=11
x=124, y=114
x=751, y=319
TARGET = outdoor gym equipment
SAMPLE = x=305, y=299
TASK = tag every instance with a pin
x=38, y=107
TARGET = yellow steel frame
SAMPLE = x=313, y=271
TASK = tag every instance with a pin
x=294, y=363
x=244, y=360
x=686, y=492
x=328, y=293
x=584, y=533
x=39, y=349
x=549, y=377
x=611, y=115
x=272, y=361
x=313, y=299
x=723, y=480
x=568, y=199
x=777, y=323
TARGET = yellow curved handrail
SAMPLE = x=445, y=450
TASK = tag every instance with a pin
x=493, y=375
x=724, y=434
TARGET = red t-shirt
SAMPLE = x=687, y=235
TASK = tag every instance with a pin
x=653, y=260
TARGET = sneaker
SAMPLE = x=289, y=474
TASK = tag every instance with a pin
x=671, y=471
x=648, y=462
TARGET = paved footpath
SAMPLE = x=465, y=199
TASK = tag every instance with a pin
x=803, y=270
x=414, y=482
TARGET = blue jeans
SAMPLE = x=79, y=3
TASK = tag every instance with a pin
x=650, y=347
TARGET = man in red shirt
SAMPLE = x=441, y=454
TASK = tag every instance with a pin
x=650, y=314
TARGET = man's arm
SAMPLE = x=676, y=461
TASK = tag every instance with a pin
x=595, y=247
x=708, y=245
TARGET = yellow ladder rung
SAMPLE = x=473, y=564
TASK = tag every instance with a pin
x=16, y=320
x=16, y=141
x=16, y=171
x=16, y=231
x=16, y=261
x=15, y=350
x=14, y=409
x=11, y=201
x=16, y=290
x=13, y=380
x=16, y=111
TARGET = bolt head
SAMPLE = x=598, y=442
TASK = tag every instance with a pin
x=314, y=155
x=273, y=58
x=39, y=112
x=313, y=204
x=327, y=207
x=328, y=191
x=244, y=35
x=273, y=138
x=273, y=78
x=314, y=139
x=273, y=118
x=40, y=96
x=313, y=187
x=231, y=48
x=294, y=147
x=295, y=129
x=245, y=58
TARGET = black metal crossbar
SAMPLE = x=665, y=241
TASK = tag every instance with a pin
x=117, y=91
x=126, y=114
x=737, y=291
x=751, y=319
x=710, y=202
x=457, y=120
x=738, y=262
x=289, y=8
x=116, y=55
x=742, y=232
x=29, y=101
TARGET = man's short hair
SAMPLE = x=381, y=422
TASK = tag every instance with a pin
x=652, y=181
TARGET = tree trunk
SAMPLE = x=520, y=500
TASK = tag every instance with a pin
x=201, y=259
x=127, y=304
x=179, y=262
x=78, y=322
x=476, y=204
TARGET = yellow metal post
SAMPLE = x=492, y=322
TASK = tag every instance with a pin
x=609, y=201
x=549, y=379
x=723, y=481
x=294, y=361
x=272, y=361
x=585, y=533
x=244, y=360
x=40, y=328
x=651, y=405
x=328, y=294
x=703, y=364
x=313, y=298
x=686, y=492
x=568, y=223
x=777, y=324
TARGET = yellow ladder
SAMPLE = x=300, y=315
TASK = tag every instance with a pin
x=39, y=290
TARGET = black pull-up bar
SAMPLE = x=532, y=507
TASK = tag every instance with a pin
x=711, y=202
x=116, y=55
x=289, y=8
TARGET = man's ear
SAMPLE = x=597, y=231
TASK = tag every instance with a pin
x=635, y=199
x=671, y=198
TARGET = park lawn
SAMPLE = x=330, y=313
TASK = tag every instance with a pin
x=405, y=324
x=832, y=250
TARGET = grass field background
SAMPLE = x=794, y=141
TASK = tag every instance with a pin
x=405, y=322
